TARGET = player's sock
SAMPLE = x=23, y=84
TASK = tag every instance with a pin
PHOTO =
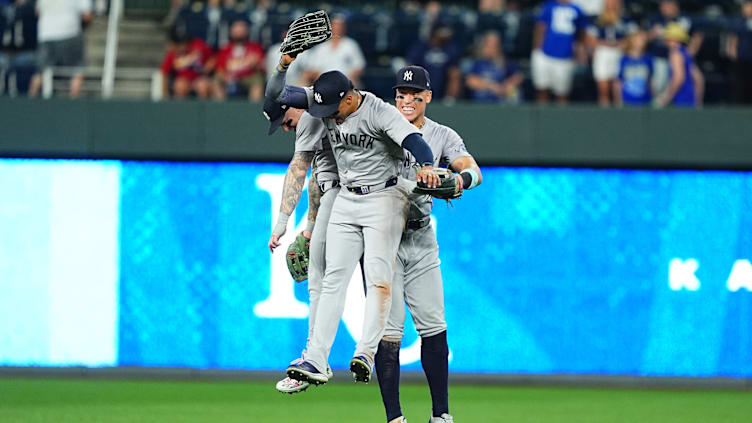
x=434, y=356
x=388, y=372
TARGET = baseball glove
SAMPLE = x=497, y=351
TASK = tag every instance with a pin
x=447, y=190
x=305, y=32
x=297, y=258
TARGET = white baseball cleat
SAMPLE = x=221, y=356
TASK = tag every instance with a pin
x=445, y=418
x=291, y=386
x=400, y=419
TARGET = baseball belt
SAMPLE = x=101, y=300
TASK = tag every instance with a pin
x=373, y=188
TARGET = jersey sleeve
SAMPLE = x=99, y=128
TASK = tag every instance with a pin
x=306, y=134
x=454, y=147
x=391, y=122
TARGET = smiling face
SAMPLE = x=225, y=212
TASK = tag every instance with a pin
x=291, y=118
x=412, y=103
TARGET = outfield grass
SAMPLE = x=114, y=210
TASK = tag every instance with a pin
x=86, y=400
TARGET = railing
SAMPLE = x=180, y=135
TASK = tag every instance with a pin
x=110, y=50
x=132, y=82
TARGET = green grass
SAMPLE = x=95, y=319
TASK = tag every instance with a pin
x=86, y=400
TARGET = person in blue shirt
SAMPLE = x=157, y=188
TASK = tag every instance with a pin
x=740, y=52
x=633, y=87
x=559, y=26
x=440, y=57
x=491, y=78
x=685, y=87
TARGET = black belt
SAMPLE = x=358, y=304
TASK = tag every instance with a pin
x=372, y=188
x=416, y=224
x=325, y=186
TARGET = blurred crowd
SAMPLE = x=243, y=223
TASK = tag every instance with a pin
x=614, y=52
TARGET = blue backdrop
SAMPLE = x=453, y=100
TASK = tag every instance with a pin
x=545, y=271
x=554, y=271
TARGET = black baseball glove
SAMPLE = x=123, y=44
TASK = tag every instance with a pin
x=305, y=32
x=447, y=190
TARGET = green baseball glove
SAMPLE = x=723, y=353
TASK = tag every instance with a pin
x=297, y=258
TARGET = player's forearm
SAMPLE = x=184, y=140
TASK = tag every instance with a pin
x=277, y=90
x=276, y=83
x=294, y=181
x=314, y=200
x=469, y=171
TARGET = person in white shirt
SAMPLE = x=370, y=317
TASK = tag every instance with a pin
x=341, y=53
x=61, y=41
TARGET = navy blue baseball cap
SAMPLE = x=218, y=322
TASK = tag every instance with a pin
x=274, y=112
x=328, y=91
x=413, y=77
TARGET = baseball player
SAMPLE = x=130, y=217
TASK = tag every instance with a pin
x=311, y=147
x=417, y=280
x=368, y=216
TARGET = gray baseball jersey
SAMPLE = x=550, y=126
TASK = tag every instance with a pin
x=311, y=135
x=417, y=280
x=368, y=150
x=447, y=146
x=368, y=144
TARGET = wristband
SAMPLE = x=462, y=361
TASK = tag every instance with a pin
x=473, y=178
x=309, y=226
x=281, y=226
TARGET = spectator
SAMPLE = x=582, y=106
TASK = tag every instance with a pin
x=609, y=32
x=492, y=78
x=341, y=53
x=671, y=13
x=61, y=42
x=633, y=88
x=186, y=67
x=18, y=34
x=685, y=80
x=240, y=66
x=294, y=75
x=440, y=57
x=740, y=52
x=559, y=26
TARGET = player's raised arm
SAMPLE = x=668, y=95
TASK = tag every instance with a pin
x=277, y=90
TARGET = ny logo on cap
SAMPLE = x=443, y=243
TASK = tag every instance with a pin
x=317, y=97
x=408, y=76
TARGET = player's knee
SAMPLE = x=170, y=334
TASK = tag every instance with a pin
x=383, y=287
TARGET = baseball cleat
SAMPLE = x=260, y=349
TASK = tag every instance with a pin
x=445, y=418
x=291, y=386
x=360, y=369
x=329, y=373
x=305, y=372
x=400, y=419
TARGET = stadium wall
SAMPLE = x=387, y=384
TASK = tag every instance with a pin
x=530, y=136
x=590, y=275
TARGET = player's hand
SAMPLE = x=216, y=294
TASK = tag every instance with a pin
x=429, y=178
x=274, y=242
x=307, y=235
x=286, y=59
x=459, y=183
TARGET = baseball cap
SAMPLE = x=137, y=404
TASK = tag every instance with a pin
x=413, y=77
x=274, y=112
x=328, y=91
